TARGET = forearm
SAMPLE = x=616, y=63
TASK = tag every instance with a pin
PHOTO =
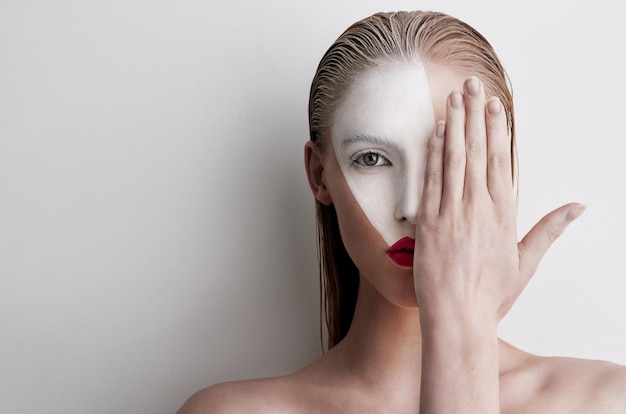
x=459, y=367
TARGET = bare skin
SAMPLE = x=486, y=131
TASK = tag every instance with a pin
x=354, y=379
x=444, y=356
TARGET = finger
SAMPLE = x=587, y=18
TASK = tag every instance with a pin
x=475, y=138
x=539, y=239
x=454, y=151
x=433, y=181
x=499, y=174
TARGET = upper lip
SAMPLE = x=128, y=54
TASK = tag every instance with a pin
x=404, y=244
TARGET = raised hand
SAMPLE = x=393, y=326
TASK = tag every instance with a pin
x=468, y=266
x=467, y=258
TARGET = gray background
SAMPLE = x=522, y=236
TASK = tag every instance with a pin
x=156, y=228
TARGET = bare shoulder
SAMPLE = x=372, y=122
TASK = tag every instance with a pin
x=267, y=395
x=600, y=386
x=313, y=388
x=564, y=385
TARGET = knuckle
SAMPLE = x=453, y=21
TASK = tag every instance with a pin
x=435, y=148
x=473, y=147
x=429, y=224
x=455, y=159
x=553, y=232
x=433, y=178
x=500, y=161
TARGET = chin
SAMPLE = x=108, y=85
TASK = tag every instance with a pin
x=407, y=300
x=393, y=285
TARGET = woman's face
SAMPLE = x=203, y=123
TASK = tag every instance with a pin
x=379, y=135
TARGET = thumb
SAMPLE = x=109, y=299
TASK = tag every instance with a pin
x=539, y=239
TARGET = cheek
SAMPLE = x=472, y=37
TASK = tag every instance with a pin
x=362, y=241
x=375, y=195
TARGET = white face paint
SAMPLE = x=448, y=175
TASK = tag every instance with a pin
x=380, y=137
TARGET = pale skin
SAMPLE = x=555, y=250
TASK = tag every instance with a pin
x=444, y=355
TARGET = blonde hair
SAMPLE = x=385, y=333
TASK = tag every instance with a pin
x=374, y=41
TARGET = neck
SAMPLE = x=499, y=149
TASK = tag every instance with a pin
x=383, y=346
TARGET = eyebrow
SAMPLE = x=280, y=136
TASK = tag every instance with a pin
x=371, y=139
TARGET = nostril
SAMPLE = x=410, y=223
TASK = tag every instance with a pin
x=412, y=219
x=407, y=210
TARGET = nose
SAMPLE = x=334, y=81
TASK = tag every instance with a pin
x=408, y=193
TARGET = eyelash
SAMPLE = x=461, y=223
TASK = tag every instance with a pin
x=354, y=161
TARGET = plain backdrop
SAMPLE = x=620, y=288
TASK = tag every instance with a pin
x=156, y=229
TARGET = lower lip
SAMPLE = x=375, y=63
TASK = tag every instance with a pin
x=402, y=258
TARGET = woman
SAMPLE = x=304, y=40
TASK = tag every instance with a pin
x=411, y=162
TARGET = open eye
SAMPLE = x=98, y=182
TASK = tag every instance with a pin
x=370, y=159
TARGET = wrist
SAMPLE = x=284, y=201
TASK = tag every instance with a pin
x=460, y=360
x=451, y=320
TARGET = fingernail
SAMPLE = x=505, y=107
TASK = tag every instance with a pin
x=575, y=212
x=456, y=100
x=494, y=106
x=472, y=86
x=440, y=129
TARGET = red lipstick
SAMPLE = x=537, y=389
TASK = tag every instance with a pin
x=402, y=252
